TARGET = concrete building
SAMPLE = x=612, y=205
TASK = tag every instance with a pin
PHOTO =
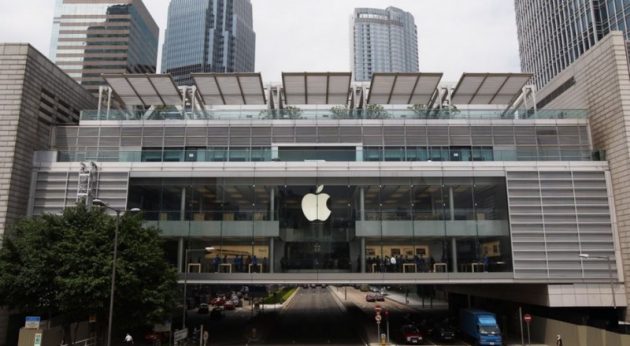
x=383, y=41
x=208, y=36
x=91, y=38
x=598, y=81
x=35, y=96
x=553, y=34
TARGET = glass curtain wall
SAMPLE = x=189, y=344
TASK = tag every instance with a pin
x=359, y=224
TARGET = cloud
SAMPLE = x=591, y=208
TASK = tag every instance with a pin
x=455, y=36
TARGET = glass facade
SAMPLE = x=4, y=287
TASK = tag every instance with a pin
x=380, y=224
x=208, y=36
x=383, y=41
x=90, y=39
x=553, y=34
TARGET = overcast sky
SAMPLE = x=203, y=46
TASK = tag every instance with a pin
x=454, y=36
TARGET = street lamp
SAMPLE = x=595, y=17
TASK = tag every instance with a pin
x=608, y=259
x=207, y=249
x=100, y=203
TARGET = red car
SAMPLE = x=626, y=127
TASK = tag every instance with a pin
x=370, y=298
x=218, y=301
x=379, y=297
x=229, y=305
x=411, y=334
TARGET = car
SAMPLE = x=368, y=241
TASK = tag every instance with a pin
x=443, y=332
x=203, y=308
x=370, y=298
x=216, y=313
x=411, y=334
x=218, y=301
x=305, y=286
x=229, y=305
x=379, y=297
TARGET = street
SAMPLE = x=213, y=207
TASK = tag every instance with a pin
x=318, y=316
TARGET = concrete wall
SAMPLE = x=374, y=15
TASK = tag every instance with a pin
x=544, y=330
x=602, y=85
x=34, y=95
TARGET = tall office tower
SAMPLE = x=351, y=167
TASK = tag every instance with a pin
x=91, y=38
x=553, y=34
x=208, y=36
x=383, y=41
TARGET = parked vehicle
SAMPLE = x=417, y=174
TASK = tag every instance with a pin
x=218, y=301
x=379, y=297
x=203, y=308
x=443, y=332
x=370, y=298
x=216, y=313
x=229, y=305
x=411, y=334
x=481, y=326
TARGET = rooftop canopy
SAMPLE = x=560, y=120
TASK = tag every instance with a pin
x=230, y=88
x=304, y=88
x=489, y=88
x=145, y=89
x=403, y=88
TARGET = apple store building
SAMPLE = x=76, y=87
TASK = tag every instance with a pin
x=317, y=179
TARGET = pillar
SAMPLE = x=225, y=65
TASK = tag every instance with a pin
x=363, y=255
x=180, y=255
x=271, y=259
x=454, y=253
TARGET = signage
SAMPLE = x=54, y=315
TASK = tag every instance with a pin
x=314, y=205
x=378, y=309
x=38, y=340
x=32, y=322
x=527, y=318
x=378, y=318
x=180, y=335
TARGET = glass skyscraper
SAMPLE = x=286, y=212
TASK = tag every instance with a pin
x=383, y=41
x=553, y=34
x=91, y=38
x=208, y=36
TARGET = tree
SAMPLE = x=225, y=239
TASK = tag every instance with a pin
x=60, y=265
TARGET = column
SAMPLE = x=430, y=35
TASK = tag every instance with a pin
x=362, y=212
x=363, y=255
x=454, y=254
x=272, y=204
x=180, y=254
x=271, y=259
x=451, y=207
x=451, y=203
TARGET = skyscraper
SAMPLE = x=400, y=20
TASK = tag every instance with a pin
x=553, y=34
x=91, y=38
x=208, y=36
x=383, y=41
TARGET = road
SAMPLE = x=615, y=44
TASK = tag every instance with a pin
x=315, y=317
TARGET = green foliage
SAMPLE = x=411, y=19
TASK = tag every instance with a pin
x=340, y=112
x=279, y=297
x=374, y=111
x=292, y=112
x=61, y=265
x=418, y=109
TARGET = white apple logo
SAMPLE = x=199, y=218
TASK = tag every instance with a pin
x=314, y=205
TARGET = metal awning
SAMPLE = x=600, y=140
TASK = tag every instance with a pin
x=230, y=88
x=145, y=89
x=403, y=88
x=304, y=88
x=489, y=88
